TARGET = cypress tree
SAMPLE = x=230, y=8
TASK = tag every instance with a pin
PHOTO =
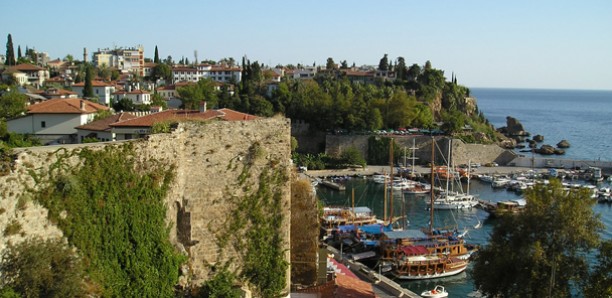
x=156, y=58
x=19, y=52
x=88, y=87
x=10, y=51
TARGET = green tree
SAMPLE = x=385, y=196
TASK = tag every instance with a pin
x=10, y=51
x=19, y=52
x=330, y=64
x=12, y=104
x=384, y=63
x=193, y=94
x=102, y=114
x=39, y=268
x=401, y=69
x=88, y=87
x=541, y=251
x=156, y=57
x=261, y=107
x=599, y=283
x=162, y=71
x=158, y=100
x=124, y=104
x=352, y=156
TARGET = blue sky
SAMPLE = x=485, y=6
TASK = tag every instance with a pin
x=515, y=44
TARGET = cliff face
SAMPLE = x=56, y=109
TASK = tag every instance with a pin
x=219, y=165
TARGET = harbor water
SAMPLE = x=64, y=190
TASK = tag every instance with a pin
x=580, y=117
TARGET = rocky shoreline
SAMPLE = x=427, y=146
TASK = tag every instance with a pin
x=518, y=136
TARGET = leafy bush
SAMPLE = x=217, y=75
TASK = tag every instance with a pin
x=115, y=215
x=220, y=286
x=37, y=268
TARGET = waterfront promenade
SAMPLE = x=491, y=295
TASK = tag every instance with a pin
x=370, y=170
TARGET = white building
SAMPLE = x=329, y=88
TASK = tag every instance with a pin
x=102, y=90
x=127, y=60
x=138, y=97
x=27, y=74
x=185, y=74
x=54, y=121
x=101, y=129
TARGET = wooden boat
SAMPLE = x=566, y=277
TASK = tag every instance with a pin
x=437, y=292
x=430, y=255
x=427, y=267
x=333, y=217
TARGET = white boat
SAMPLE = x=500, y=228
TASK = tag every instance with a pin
x=437, y=292
x=500, y=182
x=380, y=178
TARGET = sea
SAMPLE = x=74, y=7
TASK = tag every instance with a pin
x=583, y=118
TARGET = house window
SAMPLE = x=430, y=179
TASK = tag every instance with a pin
x=43, y=124
x=128, y=136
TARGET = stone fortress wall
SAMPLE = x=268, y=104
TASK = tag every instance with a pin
x=208, y=158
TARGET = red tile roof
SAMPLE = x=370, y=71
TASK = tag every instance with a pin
x=183, y=115
x=94, y=84
x=348, y=287
x=65, y=106
x=132, y=92
x=104, y=124
x=25, y=67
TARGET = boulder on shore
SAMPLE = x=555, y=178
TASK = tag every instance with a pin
x=559, y=151
x=514, y=127
x=538, y=138
x=546, y=150
x=563, y=144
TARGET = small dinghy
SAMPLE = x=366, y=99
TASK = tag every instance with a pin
x=437, y=292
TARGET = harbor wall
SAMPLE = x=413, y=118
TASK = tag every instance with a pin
x=208, y=158
x=543, y=162
x=461, y=152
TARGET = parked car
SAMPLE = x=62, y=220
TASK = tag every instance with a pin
x=491, y=164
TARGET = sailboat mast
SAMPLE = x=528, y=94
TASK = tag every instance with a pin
x=353, y=204
x=431, y=209
x=385, y=202
x=391, y=177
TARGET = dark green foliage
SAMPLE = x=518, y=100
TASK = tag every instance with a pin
x=378, y=151
x=203, y=91
x=88, y=87
x=599, y=283
x=15, y=140
x=255, y=227
x=12, y=104
x=352, y=156
x=220, y=286
x=38, y=268
x=156, y=57
x=542, y=251
x=384, y=63
x=10, y=51
x=163, y=72
x=115, y=215
x=124, y=104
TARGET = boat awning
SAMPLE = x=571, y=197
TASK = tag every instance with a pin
x=346, y=228
x=375, y=229
x=414, y=250
x=363, y=210
x=412, y=234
